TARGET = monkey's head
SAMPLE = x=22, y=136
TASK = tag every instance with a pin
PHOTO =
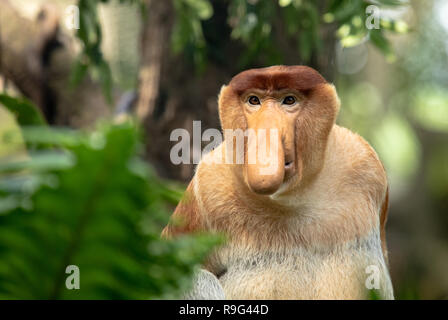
x=295, y=108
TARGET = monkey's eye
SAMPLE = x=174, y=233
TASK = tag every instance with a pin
x=289, y=100
x=253, y=100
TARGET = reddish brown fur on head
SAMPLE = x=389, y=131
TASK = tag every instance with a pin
x=300, y=78
x=303, y=128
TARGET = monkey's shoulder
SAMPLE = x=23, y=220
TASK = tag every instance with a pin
x=357, y=162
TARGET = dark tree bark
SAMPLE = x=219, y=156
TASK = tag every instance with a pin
x=154, y=46
x=171, y=93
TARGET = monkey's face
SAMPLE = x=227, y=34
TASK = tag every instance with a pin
x=271, y=119
x=287, y=114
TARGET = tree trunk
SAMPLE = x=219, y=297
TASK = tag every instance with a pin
x=155, y=37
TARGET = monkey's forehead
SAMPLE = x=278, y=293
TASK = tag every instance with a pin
x=299, y=78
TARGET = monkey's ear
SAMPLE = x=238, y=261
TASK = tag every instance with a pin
x=326, y=100
x=230, y=111
x=221, y=91
x=334, y=94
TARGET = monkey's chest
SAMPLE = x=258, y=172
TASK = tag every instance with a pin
x=295, y=275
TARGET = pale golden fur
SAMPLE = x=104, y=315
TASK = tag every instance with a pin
x=311, y=239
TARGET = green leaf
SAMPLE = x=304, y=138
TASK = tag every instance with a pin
x=203, y=8
x=79, y=71
x=344, y=11
x=25, y=112
x=91, y=58
x=284, y=3
x=379, y=40
x=398, y=146
x=64, y=137
x=40, y=161
x=391, y=2
x=430, y=108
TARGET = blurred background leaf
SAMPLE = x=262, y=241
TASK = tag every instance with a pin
x=26, y=113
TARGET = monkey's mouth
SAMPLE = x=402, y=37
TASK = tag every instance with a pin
x=289, y=169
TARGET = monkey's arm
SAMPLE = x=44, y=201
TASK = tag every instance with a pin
x=186, y=218
x=383, y=221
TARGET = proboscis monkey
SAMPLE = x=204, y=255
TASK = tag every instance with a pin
x=312, y=228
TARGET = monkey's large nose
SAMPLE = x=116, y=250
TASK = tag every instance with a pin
x=265, y=159
x=265, y=182
x=264, y=187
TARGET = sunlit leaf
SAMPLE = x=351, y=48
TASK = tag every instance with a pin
x=284, y=3
x=203, y=8
x=430, y=108
x=396, y=142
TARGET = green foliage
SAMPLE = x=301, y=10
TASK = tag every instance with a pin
x=374, y=294
x=90, y=34
x=25, y=114
x=187, y=31
x=351, y=18
x=23, y=109
x=91, y=58
x=89, y=201
x=430, y=109
x=251, y=23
